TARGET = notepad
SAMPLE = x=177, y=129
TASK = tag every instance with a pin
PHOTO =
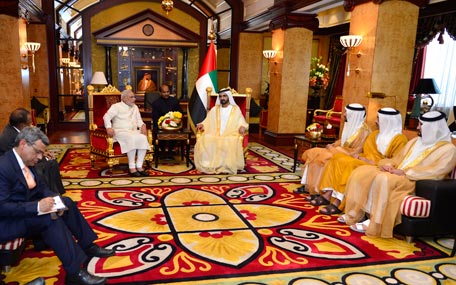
x=58, y=205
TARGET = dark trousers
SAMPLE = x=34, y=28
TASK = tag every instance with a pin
x=68, y=235
x=49, y=171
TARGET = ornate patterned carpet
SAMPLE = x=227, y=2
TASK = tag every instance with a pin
x=179, y=226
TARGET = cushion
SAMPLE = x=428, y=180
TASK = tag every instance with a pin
x=12, y=245
x=415, y=207
x=37, y=106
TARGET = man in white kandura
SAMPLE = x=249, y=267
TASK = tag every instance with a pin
x=219, y=149
x=123, y=122
x=379, y=190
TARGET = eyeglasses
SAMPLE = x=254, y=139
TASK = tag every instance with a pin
x=37, y=151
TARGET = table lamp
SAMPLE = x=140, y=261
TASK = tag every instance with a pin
x=423, y=89
x=98, y=79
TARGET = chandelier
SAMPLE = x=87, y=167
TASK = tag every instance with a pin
x=167, y=5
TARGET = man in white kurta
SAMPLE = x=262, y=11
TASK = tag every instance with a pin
x=379, y=190
x=219, y=149
x=123, y=122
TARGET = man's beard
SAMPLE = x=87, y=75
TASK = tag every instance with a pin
x=223, y=101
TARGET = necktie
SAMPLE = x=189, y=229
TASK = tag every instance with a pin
x=29, y=178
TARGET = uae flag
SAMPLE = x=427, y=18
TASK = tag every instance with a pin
x=197, y=105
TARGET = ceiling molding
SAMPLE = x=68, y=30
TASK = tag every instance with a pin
x=107, y=35
x=349, y=5
x=292, y=20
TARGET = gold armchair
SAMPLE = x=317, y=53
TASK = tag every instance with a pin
x=101, y=145
x=242, y=100
x=332, y=116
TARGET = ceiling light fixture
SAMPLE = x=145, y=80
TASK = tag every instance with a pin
x=167, y=5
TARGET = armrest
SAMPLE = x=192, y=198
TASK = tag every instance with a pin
x=442, y=194
x=316, y=111
x=332, y=113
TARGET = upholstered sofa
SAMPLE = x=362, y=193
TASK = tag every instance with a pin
x=437, y=217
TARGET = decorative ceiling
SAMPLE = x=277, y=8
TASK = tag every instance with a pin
x=68, y=13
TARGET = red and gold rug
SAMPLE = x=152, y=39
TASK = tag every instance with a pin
x=179, y=226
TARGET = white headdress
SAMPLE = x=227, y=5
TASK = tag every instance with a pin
x=226, y=91
x=355, y=116
x=389, y=126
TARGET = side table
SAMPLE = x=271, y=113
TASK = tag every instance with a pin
x=182, y=135
x=303, y=139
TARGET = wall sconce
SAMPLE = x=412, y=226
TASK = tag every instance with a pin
x=422, y=91
x=167, y=5
x=31, y=47
x=98, y=78
x=351, y=42
x=268, y=54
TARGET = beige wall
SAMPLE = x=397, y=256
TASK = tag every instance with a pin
x=250, y=63
x=12, y=95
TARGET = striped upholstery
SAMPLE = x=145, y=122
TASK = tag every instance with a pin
x=12, y=245
x=415, y=207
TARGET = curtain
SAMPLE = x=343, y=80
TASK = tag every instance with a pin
x=335, y=70
x=440, y=64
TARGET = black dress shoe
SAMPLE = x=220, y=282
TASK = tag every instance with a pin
x=36, y=281
x=134, y=174
x=301, y=190
x=84, y=278
x=143, y=173
x=97, y=251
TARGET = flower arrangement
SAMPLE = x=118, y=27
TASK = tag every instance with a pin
x=319, y=74
x=171, y=120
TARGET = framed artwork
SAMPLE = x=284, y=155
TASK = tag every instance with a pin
x=147, y=78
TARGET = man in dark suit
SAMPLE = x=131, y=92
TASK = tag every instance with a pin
x=47, y=168
x=25, y=202
x=160, y=107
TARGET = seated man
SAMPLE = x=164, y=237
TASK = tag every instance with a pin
x=354, y=134
x=385, y=142
x=26, y=210
x=380, y=190
x=164, y=104
x=47, y=168
x=219, y=149
x=123, y=122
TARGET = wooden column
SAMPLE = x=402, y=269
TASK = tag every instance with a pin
x=385, y=64
x=289, y=77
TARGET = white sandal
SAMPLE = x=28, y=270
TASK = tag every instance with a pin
x=360, y=227
x=341, y=219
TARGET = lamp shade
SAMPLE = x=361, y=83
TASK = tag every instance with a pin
x=99, y=78
x=32, y=46
x=351, y=41
x=426, y=86
x=269, y=53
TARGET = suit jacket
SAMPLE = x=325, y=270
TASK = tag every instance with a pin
x=7, y=138
x=17, y=202
x=161, y=106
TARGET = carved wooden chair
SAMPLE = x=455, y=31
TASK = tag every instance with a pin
x=242, y=100
x=101, y=145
